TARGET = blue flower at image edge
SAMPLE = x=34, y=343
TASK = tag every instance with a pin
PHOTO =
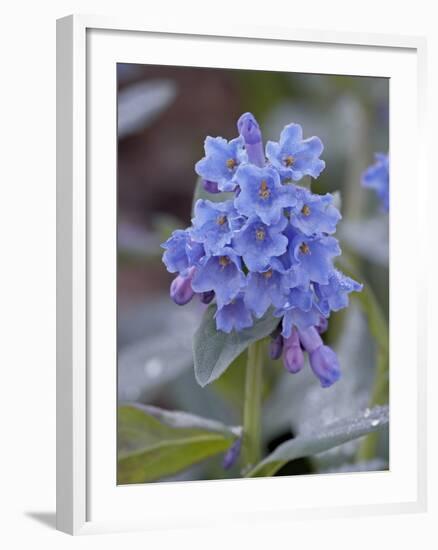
x=376, y=177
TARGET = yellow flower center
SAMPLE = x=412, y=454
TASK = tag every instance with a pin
x=260, y=234
x=264, y=192
x=231, y=163
x=221, y=220
x=304, y=248
x=305, y=210
x=224, y=261
x=267, y=274
x=289, y=160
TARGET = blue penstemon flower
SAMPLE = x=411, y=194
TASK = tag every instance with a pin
x=271, y=246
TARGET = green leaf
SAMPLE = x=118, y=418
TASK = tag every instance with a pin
x=201, y=193
x=214, y=350
x=333, y=435
x=154, y=443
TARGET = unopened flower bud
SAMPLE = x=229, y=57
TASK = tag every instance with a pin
x=325, y=365
x=210, y=186
x=293, y=358
x=310, y=339
x=249, y=129
x=181, y=290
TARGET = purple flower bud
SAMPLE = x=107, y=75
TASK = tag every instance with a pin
x=207, y=297
x=325, y=365
x=232, y=454
x=249, y=129
x=310, y=339
x=293, y=358
x=181, y=290
x=322, y=326
x=276, y=347
x=210, y=186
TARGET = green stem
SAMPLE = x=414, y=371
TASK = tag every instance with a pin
x=251, y=449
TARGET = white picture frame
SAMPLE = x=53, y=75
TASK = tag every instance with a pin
x=88, y=499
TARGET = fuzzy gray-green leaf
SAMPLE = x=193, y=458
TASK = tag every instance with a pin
x=331, y=436
x=214, y=350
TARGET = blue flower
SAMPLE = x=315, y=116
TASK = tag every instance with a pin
x=181, y=252
x=271, y=246
x=334, y=295
x=262, y=193
x=314, y=213
x=315, y=256
x=257, y=243
x=221, y=161
x=294, y=157
x=298, y=310
x=212, y=224
x=267, y=288
x=222, y=273
x=376, y=177
x=234, y=315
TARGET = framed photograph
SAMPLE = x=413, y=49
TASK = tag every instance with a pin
x=234, y=212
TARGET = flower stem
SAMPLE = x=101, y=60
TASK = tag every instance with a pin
x=252, y=406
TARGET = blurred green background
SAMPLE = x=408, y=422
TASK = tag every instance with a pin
x=164, y=115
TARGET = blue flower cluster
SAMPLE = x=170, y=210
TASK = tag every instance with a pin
x=376, y=177
x=270, y=246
